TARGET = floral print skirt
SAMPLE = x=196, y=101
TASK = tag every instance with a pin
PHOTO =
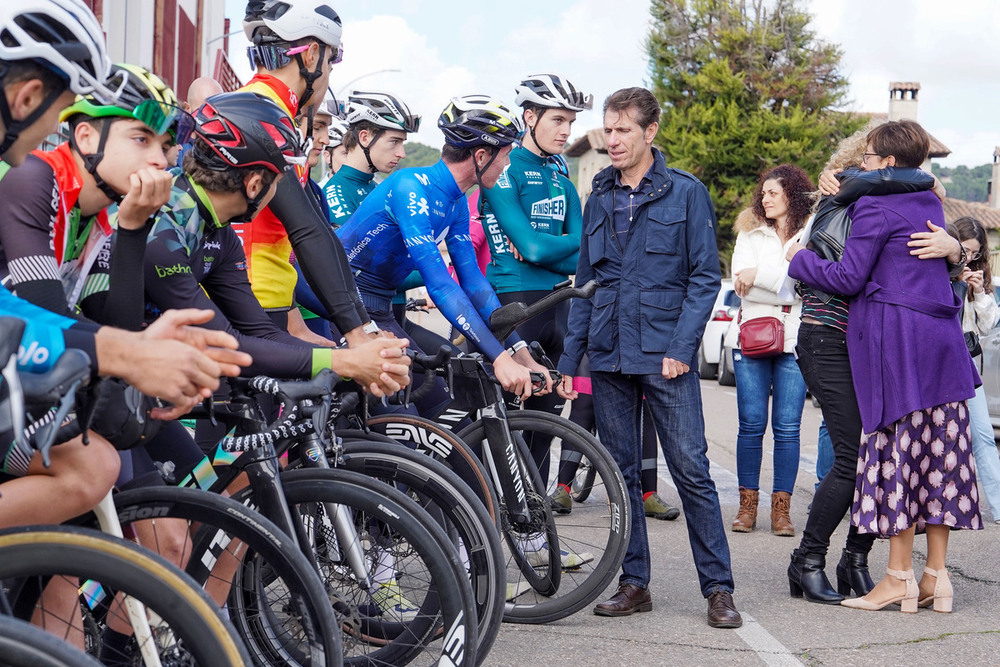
x=918, y=471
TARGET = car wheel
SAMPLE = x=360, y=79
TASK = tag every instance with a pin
x=706, y=370
x=726, y=376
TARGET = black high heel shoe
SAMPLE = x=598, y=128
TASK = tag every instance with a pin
x=807, y=578
x=852, y=574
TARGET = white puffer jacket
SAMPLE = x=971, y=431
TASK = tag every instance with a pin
x=758, y=245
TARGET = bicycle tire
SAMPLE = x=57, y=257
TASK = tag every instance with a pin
x=429, y=437
x=294, y=583
x=24, y=645
x=445, y=601
x=583, y=481
x=599, y=526
x=33, y=555
x=440, y=491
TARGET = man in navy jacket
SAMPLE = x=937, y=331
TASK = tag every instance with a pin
x=649, y=239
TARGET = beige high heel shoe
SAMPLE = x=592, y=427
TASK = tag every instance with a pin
x=943, y=593
x=907, y=601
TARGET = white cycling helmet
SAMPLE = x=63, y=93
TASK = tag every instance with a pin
x=550, y=90
x=289, y=20
x=382, y=109
x=64, y=36
x=338, y=128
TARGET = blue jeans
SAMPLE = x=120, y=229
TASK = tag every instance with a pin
x=984, y=450
x=677, y=415
x=756, y=380
x=824, y=453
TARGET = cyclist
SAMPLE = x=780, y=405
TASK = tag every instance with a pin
x=293, y=46
x=379, y=123
x=194, y=258
x=397, y=229
x=51, y=50
x=336, y=154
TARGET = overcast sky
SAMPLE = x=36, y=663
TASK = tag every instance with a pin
x=949, y=47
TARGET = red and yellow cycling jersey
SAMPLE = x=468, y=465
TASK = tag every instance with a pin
x=264, y=239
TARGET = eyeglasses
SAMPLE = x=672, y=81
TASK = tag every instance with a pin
x=865, y=156
x=161, y=118
x=272, y=57
x=972, y=256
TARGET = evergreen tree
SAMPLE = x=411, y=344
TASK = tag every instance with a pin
x=745, y=85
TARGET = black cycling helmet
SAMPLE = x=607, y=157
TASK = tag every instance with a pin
x=471, y=121
x=246, y=130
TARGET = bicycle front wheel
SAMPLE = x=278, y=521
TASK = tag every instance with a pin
x=186, y=626
x=24, y=645
x=592, y=538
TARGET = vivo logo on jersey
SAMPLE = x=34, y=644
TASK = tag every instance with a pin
x=418, y=206
x=554, y=208
x=34, y=354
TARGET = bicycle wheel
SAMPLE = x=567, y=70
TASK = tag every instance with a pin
x=275, y=598
x=592, y=539
x=583, y=481
x=24, y=645
x=417, y=604
x=449, y=500
x=186, y=626
x=429, y=437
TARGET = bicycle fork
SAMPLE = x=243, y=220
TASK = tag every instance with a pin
x=506, y=477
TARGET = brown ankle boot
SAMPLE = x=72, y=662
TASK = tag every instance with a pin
x=781, y=523
x=746, y=518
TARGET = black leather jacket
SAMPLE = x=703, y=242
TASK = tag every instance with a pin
x=832, y=225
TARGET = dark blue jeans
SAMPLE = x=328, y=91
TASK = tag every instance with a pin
x=677, y=415
x=774, y=382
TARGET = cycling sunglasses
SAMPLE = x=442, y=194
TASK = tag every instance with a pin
x=274, y=57
x=161, y=118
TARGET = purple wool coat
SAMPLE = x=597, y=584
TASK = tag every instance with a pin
x=904, y=331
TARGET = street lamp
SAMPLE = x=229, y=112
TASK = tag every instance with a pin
x=358, y=78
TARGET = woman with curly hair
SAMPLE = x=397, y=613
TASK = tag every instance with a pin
x=912, y=374
x=781, y=204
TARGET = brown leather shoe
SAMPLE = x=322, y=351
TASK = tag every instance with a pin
x=746, y=518
x=628, y=600
x=722, y=611
x=781, y=522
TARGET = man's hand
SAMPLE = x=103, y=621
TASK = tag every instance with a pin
x=357, y=336
x=379, y=365
x=512, y=376
x=793, y=250
x=673, y=368
x=939, y=189
x=149, y=190
x=565, y=388
x=219, y=346
x=743, y=281
x=513, y=250
x=935, y=244
x=828, y=183
x=523, y=357
x=974, y=279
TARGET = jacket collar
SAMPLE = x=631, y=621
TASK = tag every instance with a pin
x=662, y=182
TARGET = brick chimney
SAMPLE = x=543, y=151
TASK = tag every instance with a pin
x=991, y=194
x=903, y=100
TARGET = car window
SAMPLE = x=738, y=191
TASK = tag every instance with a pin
x=732, y=300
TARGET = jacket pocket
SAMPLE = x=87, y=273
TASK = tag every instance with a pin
x=603, y=332
x=665, y=232
x=659, y=311
x=597, y=243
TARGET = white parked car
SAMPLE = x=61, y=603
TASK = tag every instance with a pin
x=726, y=305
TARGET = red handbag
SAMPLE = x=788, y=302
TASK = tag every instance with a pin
x=762, y=337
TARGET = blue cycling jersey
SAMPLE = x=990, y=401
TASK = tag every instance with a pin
x=45, y=332
x=397, y=229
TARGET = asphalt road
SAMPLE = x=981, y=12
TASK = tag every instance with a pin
x=777, y=630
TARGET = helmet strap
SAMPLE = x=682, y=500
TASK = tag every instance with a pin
x=485, y=168
x=310, y=77
x=92, y=161
x=253, y=203
x=13, y=128
x=365, y=149
x=531, y=129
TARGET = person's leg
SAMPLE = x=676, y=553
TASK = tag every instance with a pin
x=898, y=582
x=935, y=584
x=753, y=389
x=824, y=453
x=618, y=416
x=984, y=450
x=677, y=414
x=654, y=505
x=789, y=396
x=77, y=479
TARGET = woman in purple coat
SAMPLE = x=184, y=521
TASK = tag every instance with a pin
x=912, y=374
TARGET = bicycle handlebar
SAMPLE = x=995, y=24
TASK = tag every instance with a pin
x=505, y=319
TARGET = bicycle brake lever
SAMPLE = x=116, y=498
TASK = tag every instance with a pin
x=46, y=434
x=16, y=398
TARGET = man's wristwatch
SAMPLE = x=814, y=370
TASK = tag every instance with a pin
x=370, y=327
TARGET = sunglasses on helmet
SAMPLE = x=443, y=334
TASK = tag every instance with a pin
x=272, y=56
x=161, y=118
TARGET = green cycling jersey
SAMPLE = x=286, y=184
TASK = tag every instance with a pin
x=538, y=210
x=344, y=192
